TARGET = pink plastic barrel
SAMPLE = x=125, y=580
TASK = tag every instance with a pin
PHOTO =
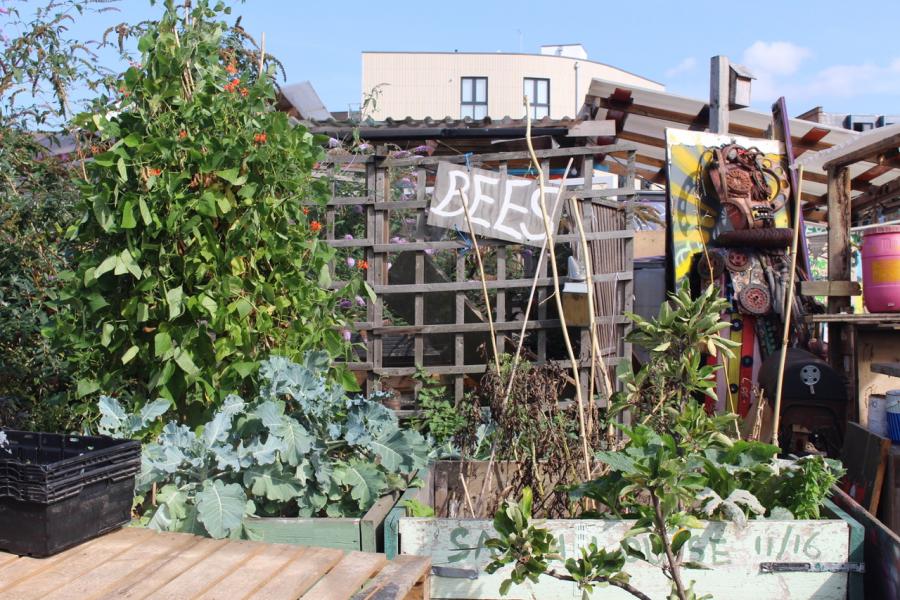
x=881, y=269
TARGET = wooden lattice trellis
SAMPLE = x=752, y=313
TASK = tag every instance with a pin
x=446, y=346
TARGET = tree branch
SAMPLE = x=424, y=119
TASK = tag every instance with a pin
x=613, y=582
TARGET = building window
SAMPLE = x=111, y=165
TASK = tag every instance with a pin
x=538, y=92
x=473, y=97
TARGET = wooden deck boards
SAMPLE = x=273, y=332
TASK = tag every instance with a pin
x=138, y=563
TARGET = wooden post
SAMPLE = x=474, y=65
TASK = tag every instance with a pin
x=718, y=94
x=838, y=257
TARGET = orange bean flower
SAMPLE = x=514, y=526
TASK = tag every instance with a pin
x=305, y=210
x=155, y=172
x=362, y=265
x=315, y=226
x=182, y=134
x=260, y=138
x=231, y=68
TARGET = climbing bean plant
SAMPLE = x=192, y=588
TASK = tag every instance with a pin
x=200, y=252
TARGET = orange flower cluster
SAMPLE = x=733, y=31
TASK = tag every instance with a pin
x=231, y=68
x=232, y=85
x=315, y=226
x=260, y=138
x=362, y=265
x=305, y=210
x=245, y=92
x=154, y=172
x=182, y=134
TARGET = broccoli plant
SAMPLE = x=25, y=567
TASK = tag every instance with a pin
x=302, y=447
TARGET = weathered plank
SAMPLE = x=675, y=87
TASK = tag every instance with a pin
x=208, y=571
x=346, y=577
x=341, y=533
x=400, y=577
x=254, y=574
x=733, y=553
x=43, y=582
x=162, y=570
x=605, y=128
x=892, y=369
x=298, y=575
x=830, y=288
x=128, y=565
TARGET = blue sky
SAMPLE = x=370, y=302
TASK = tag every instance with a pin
x=836, y=54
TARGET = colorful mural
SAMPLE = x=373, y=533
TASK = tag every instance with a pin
x=694, y=221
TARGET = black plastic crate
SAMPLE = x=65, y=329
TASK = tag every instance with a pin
x=49, y=467
x=57, y=491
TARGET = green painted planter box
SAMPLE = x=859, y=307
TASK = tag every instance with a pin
x=365, y=533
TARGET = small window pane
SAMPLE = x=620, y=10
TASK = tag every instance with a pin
x=466, y=89
x=541, y=111
x=480, y=111
x=481, y=90
x=542, y=91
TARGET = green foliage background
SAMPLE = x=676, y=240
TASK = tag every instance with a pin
x=198, y=256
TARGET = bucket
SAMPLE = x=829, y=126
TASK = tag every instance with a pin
x=893, y=415
x=881, y=269
x=877, y=415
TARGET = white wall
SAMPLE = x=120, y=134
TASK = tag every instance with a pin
x=427, y=84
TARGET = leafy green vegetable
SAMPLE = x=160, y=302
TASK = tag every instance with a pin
x=301, y=448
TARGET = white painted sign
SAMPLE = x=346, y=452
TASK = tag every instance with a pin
x=733, y=554
x=506, y=208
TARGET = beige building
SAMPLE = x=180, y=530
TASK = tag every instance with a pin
x=480, y=84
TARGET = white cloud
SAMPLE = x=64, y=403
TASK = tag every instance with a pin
x=685, y=66
x=774, y=58
x=856, y=80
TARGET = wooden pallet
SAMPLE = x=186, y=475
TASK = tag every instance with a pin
x=138, y=563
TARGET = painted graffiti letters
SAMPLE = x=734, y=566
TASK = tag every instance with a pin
x=506, y=208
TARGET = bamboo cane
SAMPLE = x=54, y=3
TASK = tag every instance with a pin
x=548, y=229
x=785, y=339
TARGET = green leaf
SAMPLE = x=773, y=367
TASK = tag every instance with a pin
x=128, y=220
x=146, y=217
x=184, y=360
x=678, y=540
x=221, y=507
x=175, y=298
x=272, y=483
x=123, y=173
x=86, y=387
x=162, y=343
x=108, y=264
x=232, y=176
x=364, y=478
x=297, y=442
x=131, y=140
x=129, y=354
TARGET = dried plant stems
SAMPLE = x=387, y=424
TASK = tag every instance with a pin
x=485, y=485
x=548, y=229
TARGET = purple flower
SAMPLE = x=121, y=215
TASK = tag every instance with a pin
x=345, y=333
x=422, y=149
x=389, y=265
x=398, y=240
x=334, y=143
x=348, y=236
x=406, y=180
x=345, y=303
x=400, y=153
x=351, y=262
x=364, y=146
x=360, y=301
x=430, y=251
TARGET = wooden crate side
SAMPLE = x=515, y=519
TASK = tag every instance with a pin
x=343, y=534
x=733, y=553
x=856, y=582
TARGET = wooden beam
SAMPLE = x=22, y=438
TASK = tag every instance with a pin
x=810, y=138
x=593, y=129
x=718, y=94
x=876, y=194
x=830, y=288
x=839, y=268
x=873, y=149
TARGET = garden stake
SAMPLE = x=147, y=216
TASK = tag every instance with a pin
x=789, y=302
x=487, y=298
x=558, y=295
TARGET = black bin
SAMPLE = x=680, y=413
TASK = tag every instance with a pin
x=57, y=491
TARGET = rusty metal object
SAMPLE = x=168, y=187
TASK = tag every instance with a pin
x=748, y=186
x=755, y=299
x=737, y=260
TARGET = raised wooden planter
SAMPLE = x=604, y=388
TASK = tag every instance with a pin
x=735, y=555
x=365, y=533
